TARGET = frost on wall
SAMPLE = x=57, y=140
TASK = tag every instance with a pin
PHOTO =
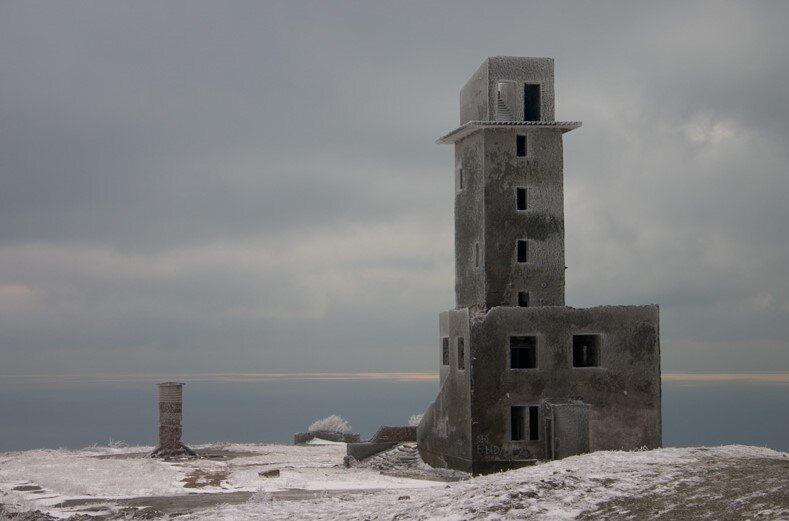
x=333, y=423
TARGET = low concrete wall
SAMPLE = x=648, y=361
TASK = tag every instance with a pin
x=366, y=449
x=304, y=437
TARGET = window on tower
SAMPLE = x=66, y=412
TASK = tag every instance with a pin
x=531, y=102
x=520, y=198
x=523, y=352
x=445, y=351
x=523, y=299
x=461, y=353
x=523, y=250
x=586, y=350
x=520, y=146
x=460, y=179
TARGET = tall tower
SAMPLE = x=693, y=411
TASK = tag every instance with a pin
x=522, y=376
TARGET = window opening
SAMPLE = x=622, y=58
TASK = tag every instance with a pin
x=517, y=421
x=534, y=422
x=460, y=179
x=461, y=353
x=445, y=351
x=586, y=350
x=523, y=352
x=520, y=197
x=520, y=146
x=476, y=254
x=523, y=250
x=523, y=299
x=531, y=102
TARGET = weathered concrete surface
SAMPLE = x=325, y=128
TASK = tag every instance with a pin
x=365, y=449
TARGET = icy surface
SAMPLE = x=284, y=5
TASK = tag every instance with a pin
x=744, y=482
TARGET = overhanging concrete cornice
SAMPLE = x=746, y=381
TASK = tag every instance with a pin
x=473, y=126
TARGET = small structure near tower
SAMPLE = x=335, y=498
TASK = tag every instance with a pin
x=170, y=415
x=523, y=377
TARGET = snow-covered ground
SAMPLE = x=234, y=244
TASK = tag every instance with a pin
x=730, y=482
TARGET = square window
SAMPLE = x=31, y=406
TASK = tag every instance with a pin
x=520, y=146
x=520, y=198
x=523, y=250
x=461, y=352
x=520, y=424
x=445, y=351
x=523, y=299
x=586, y=350
x=523, y=352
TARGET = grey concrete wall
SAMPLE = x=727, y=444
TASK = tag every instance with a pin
x=474, y=96
x=624, y=392
x=469, y=222
x=478, y=96
x=444, y=435
x=542, y=223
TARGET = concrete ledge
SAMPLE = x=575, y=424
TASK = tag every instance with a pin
x=304, y=437
x=365, y=449
x=399, y=434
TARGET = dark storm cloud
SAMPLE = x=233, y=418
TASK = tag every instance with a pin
x=248, y=186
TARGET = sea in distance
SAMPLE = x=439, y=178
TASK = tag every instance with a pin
x=76, y=412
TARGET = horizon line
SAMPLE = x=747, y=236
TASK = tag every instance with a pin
x=410, y=376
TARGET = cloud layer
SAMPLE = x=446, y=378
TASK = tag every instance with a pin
x=254, y=187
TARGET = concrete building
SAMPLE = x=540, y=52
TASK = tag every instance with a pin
x=523, y=377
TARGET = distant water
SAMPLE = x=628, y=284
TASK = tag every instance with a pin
x=76, y=414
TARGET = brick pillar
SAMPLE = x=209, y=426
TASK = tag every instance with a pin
x=170, y=415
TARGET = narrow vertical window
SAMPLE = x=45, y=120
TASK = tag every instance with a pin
x=523, y=299
x=461, y=353
x=523, y=250
x=476, y=255
x=520, y=198
x=531, y=102
x=534, y=423
x=460, y=179
x=445, y=351
x=517, y=423
x=520, y=146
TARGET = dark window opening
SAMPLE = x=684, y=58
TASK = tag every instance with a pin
x=520, y=196
x=534, y=423
x=523, y=352
x=460, y=179
x=523, y=299
x=476, y=254
x=586, y=350
x=523, y=250
x=445, y=351
x=461, y=353
x=520, y=146
x=531, y=102
x=517, y=421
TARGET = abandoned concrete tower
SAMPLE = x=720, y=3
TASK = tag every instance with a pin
x=523, y=377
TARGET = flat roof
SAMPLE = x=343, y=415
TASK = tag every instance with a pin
x=473, y=126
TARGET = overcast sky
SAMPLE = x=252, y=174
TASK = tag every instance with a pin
x=254, y=186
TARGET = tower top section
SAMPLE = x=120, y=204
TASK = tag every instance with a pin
x=509, y=88
x=508, y=91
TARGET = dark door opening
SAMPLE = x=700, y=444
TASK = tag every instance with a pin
x=531, y=102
